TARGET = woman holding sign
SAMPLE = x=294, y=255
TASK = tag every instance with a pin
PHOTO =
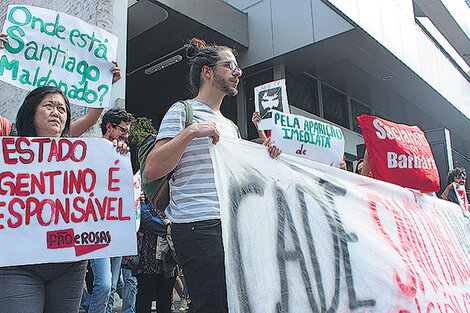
x=49, y=287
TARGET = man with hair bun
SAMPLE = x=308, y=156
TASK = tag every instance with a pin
x=184, y=152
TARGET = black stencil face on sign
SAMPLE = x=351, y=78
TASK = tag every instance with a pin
x=270, y=99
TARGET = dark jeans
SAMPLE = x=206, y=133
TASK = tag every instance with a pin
x=200, y=254
x=154, y=287
x=42, y=288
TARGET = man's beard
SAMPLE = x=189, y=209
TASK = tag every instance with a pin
x=225, y=87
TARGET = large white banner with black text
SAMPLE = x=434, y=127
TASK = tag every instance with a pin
x=303, y=237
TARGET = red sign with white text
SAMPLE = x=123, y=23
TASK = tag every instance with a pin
x=399, y=154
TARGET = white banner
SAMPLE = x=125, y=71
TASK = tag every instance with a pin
x=268, y=97
x=49, y=48
x=303, y=237
x=308, y=138
x=64, y=200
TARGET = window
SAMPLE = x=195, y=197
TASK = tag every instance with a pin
x=357, y=109
x=302, y=92
x=334, y=106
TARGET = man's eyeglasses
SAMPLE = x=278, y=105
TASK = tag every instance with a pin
x=123, y=130
x=231, y=65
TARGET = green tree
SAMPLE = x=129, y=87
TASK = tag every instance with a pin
x=140, y=129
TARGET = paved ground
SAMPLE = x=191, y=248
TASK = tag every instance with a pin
x=118, y=303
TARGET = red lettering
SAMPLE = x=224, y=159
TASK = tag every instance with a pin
x=102, y=207
x=24, y=151
x=6, y=151
x=60, y=211
x=20, y=185
x=41, y=185
x=90, y=209
x=83, y=180
x=84, y=149
x=30, y=213
x=75, y=219
x=2, y=204
x=8, y=183
x=54, y=152
x=112, y=180
x=41, y=142
x=67, y=142
x=41, y=210
x=122, y=218
x=110, y=209
x=15, y=214
x=51, y=176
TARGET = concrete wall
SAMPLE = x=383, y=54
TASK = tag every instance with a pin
x=276, y=27
x=110, y=15
x=392, y=24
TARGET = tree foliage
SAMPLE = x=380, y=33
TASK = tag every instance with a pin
x=141, y=128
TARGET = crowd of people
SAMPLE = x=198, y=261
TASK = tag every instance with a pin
x=179, y=248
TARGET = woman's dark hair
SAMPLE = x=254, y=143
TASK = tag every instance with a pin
x=25, y=117
x=199, y=54
x=456, y=172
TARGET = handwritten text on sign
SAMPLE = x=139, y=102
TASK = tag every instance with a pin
x=64, y=200
x=49, y=48
x=308, y=138
x=302, y=237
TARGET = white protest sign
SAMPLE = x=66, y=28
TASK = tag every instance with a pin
x=137, y=191
x=49, y=48
x=300, y=236
x=270, y=96
x=64, y=200
x=461, y=194
x=308, y=138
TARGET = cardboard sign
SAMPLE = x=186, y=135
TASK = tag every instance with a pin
x=49, y=48
x=300, y=236
x=137, y=190
x=268, y=97
x=399, y=154
x=308, y=138
x=64, y=199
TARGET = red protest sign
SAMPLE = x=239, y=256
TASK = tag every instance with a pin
x=399, y=154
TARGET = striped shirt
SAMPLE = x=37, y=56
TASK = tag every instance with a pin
x=193, y=196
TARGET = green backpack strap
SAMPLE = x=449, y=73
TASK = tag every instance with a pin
x=189, y=112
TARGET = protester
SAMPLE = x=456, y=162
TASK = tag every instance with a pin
x=457, y=177
x=359, y=165
x=194, y=206
x=48, y=287
x=255, y=119
x=82, y=124
x=115, y=127
x=156, y=271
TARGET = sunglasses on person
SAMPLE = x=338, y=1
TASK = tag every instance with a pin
x=231, y=65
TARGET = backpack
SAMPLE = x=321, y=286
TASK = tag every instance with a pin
x=157, y=190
